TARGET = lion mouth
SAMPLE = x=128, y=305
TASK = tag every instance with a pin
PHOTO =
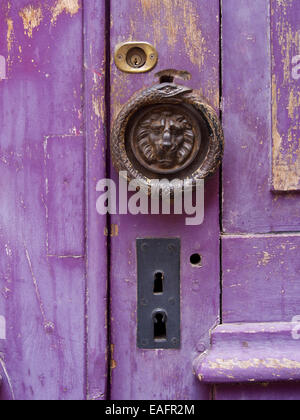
x=165, y=162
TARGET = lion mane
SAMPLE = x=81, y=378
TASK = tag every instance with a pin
x=147, y=149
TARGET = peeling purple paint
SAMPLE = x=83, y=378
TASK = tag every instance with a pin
x=55, y=103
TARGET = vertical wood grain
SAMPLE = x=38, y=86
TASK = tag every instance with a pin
x=64, y=195
x=186, y=35
x=41, y=296
x=249, y=203
x=96, y=240
x=260, y=268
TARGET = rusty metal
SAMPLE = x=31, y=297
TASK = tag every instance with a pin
x=165, y=139
x=135, y=57
x=167, y=131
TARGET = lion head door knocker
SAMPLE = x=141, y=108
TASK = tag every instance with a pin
x=167, y=132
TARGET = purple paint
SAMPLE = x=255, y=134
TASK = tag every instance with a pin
x=249, y=203
x=96, y=226
x=187, y=40
x=267, y=278
x=285, y=28
x=251, y=353
x=42, y=297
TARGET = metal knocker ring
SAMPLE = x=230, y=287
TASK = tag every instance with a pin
x=167, y=132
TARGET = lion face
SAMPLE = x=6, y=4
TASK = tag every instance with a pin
x=165, y=140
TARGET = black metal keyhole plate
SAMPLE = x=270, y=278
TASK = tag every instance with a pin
x=158, y=320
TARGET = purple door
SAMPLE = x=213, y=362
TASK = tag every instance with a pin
x=70, y=278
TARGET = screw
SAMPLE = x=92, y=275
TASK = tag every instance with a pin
x=172, y=300
x=120, y=57
x=144, y=247
x=171, y=248
x=201, y=347
x=174, y=341
x=145, y=342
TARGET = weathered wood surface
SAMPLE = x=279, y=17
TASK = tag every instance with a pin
x=95, y=167
x=186, y=35
x=260, y=114
x=249, y=203
x=43, y=276
x=248, y=353
x=261, y=285
x=285, y=40
x=261, y=278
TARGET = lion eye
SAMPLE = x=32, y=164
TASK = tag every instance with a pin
x=157, y=131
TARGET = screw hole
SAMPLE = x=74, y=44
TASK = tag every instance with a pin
x=196, y=260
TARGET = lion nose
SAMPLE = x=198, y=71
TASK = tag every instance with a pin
x=167, y=140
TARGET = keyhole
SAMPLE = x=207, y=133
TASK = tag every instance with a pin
x=160, y=326
x=158, y=283
x=137, y=61
x=136, y=58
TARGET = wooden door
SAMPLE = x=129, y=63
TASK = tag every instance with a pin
x=187, y=37
x=53, y=245
x=68, y=276
x=257, y=346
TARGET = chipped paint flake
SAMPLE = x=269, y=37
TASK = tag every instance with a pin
x=265, y=260
x=68, y=6
x=230, y=364
x=32, y=18
x=10, y=34
x=98, y=107
x=113, y=363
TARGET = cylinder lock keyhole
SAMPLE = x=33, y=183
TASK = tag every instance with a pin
x=136, y=58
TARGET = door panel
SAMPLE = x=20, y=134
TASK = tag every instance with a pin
x=68, y=276
x=95, y=64
x=285, y=41
x=250, y=202
x=268, y=278
x=261, y=123
x=186, y=36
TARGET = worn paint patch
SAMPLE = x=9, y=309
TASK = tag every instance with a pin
x=285, y=97
x=286, y=146
x=114, y=231
x=10, y=34
x=32, y=18
x=230, y=364
x=99, y=107
x=68, y=6
x=178, y=15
